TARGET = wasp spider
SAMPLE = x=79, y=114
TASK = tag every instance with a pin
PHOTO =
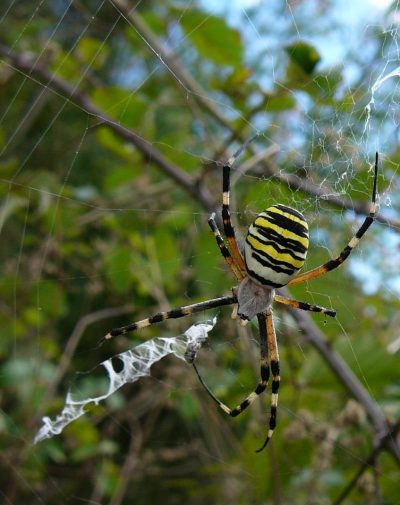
x=274, y=250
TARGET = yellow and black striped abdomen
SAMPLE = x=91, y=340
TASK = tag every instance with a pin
x=276, y=246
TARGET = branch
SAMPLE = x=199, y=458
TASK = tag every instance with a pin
x=339, y=367
x=172, y=63
x=304, y=185
x=368, y=463
x=74, y=339
x=25, y=64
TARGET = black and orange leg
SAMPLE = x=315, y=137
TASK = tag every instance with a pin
x=264, y=372
x=332, y=264
x=239, y=274
x=226, y=215
x=187, y=310
x=275, y=373
x=304, y=306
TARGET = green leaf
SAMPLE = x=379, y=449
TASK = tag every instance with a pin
x=329, y=82
x=188, y=407
x=112, y=142
x=124, y=105
x=304, y=55
x=280, y=102
x=168, y=254
x=117, y=268
x=92, y=52
x=212, y=37
x=66, y=66
x=49, y=297
x=119, y=176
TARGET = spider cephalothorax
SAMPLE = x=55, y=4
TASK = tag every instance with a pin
x=275, y=249
x=252, y=298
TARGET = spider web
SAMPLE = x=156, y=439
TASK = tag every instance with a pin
x=135, y=364
x=330, y=145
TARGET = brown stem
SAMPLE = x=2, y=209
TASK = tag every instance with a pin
x=27, y=65
x=368, y=463
x=342, y=371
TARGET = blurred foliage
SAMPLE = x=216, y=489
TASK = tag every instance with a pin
x=88, y=225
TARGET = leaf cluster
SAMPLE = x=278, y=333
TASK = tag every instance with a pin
x=89, y=224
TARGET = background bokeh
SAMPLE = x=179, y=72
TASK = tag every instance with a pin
x=114, y=116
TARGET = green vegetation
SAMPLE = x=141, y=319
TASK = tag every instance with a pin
x=108, y=173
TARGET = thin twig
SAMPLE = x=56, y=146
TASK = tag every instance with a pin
x=127, y=470
x=306, y=186
x=74, y=339
x=343, y=372
x=26, y=64
x=170, y=60
x=368, y=463
x=172, y=63
x=249, y=164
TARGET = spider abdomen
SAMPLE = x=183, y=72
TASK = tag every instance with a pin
x=276, y=246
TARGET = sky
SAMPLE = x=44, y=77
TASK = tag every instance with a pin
x=342, y=28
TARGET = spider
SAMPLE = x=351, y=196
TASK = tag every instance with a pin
x=274, y=250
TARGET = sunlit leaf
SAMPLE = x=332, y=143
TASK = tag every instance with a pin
x=304, y=55
x=212, y=37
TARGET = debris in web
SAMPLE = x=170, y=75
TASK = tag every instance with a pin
x=126, y=367
x=377, y=84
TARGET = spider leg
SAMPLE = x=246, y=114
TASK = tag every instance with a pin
x=332, y=264
x=274, y=360
x=261, y=386
x=226, y=215
x=304, y=306
x=224, y=250
x=187, y=310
